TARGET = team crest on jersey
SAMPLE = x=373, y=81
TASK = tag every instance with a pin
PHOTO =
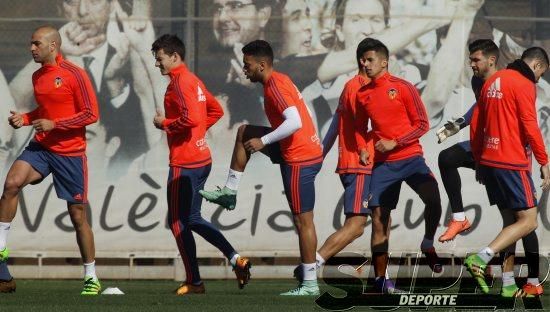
x=392, y=93
x=57, y=82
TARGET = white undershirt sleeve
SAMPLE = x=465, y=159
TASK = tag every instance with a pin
x=289, y=126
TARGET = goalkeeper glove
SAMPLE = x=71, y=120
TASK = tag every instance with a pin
x=450, y=128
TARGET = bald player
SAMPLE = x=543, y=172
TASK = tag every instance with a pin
x=66, y=105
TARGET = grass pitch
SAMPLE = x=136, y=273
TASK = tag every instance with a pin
x=140, y=295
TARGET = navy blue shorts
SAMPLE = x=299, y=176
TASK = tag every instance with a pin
x=509, y=188
x=356, y=193
x=385, y=184
x=70, y=173
x=299, y=185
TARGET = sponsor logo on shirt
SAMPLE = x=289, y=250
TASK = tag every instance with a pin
x=392, y=93
x=494, y=90
x=492, y=142
x=58, y=82
x=200, y=95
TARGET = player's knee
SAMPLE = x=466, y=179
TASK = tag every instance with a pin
x=78, y=216
x=357, y=231
x=529, y=224
x=303, y=222
x=240, y=132
x=194, y=222
x=78, y=220
x=13, y=185
x=297, y=223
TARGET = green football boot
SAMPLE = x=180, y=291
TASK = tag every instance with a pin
x=224, y=197
x=91, y=286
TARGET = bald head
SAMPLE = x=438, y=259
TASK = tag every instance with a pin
x=45, y=44
x=50, y=34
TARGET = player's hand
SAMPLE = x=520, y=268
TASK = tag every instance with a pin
x=253, y=145
x=545, y=176
x=158, y=120
x=364, y=157
x=385, y=145
x=15, y=120
x=43, y=125
x=450, y=128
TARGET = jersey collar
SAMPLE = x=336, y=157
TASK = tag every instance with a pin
x=178, y=70
x=382, y=79
x=58, y=59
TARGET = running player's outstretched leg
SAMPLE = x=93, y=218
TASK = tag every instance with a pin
x=353, y=228
x=356, y=196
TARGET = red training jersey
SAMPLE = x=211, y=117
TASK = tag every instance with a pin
x=303, y=145
x=65, y=95
x=190, y=110
x=504, y=123
x=348, y=153
x=396, y=112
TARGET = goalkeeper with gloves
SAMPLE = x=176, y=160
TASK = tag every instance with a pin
x=483, y=58
x=483, y=61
